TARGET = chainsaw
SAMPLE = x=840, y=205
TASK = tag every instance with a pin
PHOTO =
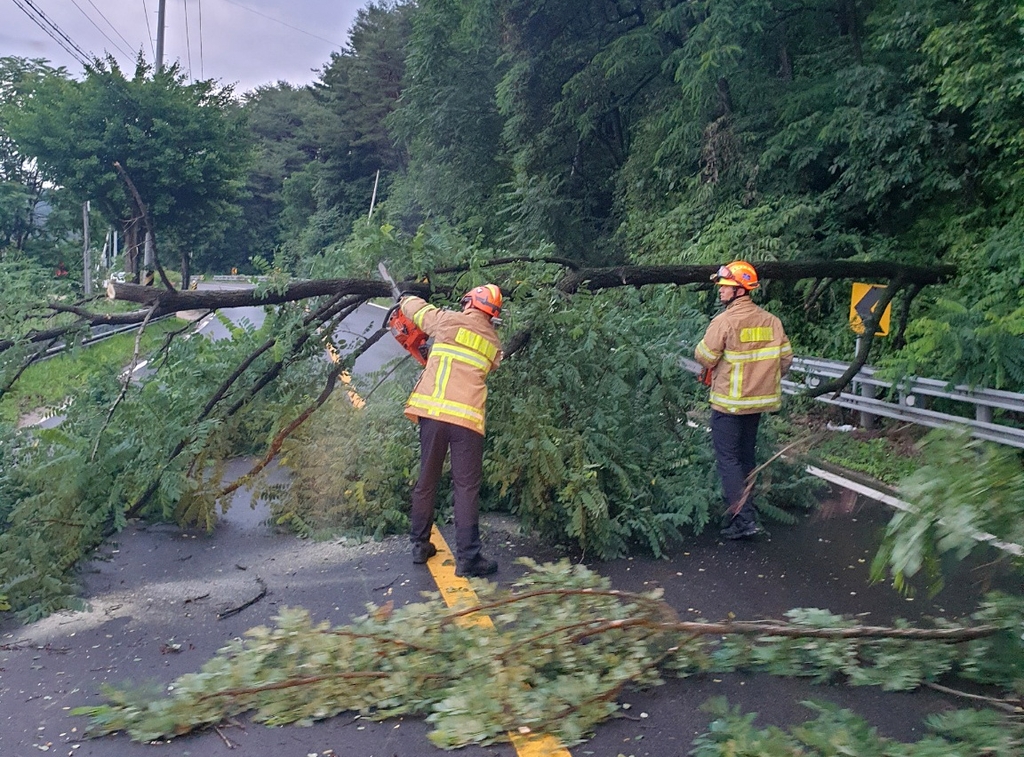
x=412, y=338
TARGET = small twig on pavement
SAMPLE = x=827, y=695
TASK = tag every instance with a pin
x=235, y=610
x=230, y=744
x=1006, y=705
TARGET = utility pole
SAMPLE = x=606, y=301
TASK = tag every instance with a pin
x=148, y=261
x=86, y=257
x=373, y=199
x=161, y=16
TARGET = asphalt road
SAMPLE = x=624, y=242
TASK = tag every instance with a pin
x=152, y=589
x=359, y=325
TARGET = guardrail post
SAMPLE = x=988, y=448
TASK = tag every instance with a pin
x=868, y=420
x=983, y=413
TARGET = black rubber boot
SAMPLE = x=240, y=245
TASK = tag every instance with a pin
x=478, y=566
x=423, y=551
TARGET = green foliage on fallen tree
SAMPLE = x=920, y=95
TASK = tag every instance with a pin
x=837, y=732
x=146, y=449
x=963, y=488
x=559, y=650
x=349, y=469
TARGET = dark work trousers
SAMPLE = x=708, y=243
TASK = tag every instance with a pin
x=734, y=438
x=467, y=472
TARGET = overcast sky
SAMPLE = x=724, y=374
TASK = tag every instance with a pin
x=242, y=42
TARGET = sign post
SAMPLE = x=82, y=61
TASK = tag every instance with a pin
x=863, y=300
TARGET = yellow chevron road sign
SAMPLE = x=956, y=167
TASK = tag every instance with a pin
x=863, y=301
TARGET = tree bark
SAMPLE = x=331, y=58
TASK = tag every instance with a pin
x=202, y=299
x=572, y=281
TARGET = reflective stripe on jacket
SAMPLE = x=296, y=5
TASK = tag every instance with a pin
x=465, y=349
x=747, y=351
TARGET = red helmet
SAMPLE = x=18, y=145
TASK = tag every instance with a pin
x=738, y=273
x=486, y=299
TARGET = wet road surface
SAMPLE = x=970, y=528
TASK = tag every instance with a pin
x=153, y=590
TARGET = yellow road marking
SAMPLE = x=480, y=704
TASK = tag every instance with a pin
x=454, y=591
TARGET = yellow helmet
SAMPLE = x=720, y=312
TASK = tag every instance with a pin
x=738, y=273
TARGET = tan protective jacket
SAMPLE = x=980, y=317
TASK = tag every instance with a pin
x=466, y=348
x=747, y=351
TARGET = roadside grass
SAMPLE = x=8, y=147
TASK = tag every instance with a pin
x=879, y=454
x=48, y=383
x=888, y=454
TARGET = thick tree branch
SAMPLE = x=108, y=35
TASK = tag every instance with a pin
x=585, y=278
x=607, y=278
x=863, y=345
x=146, y=220
x=200, y=299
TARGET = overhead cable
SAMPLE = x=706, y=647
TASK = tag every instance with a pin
x=112, y=42
x=149, y=30
x=55, y=32
x=188, y=43
x=202, y=74
x=279, y=21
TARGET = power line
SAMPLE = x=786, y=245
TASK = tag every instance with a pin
x=54, y=32
x=149, y=31
x=279, y=21
x=202, y=74
x=188, y=42
x=121, y=49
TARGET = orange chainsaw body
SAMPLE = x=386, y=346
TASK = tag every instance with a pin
x=412, y=338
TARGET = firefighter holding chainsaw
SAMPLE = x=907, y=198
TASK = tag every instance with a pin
x=745, y=352
x=448, y=404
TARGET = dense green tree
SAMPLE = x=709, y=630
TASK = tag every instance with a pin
x=358, y=88
x=448, y=121
x=288, y=126
x=27, y=218
x=179, y=144
x=654, y=132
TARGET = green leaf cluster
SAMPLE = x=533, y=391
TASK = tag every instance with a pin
x=963, y=488
x=598, y=436
x=837, y=732
x=552, y=656
x=145, y=449
x=350, y=469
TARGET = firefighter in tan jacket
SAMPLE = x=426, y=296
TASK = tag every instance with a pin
x=448, y=402
x=747, y=352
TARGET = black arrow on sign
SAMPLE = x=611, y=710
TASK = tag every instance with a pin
x=866, y=305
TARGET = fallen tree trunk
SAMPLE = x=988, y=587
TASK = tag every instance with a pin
x=169, y=301
x=607, y=278
x=172, y=301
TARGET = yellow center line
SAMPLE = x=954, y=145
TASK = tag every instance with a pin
x=455, y=591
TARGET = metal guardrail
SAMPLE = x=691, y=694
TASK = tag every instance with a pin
x=912, y=398
x=101, y=333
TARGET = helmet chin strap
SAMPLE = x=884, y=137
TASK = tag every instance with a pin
x=737, y=292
